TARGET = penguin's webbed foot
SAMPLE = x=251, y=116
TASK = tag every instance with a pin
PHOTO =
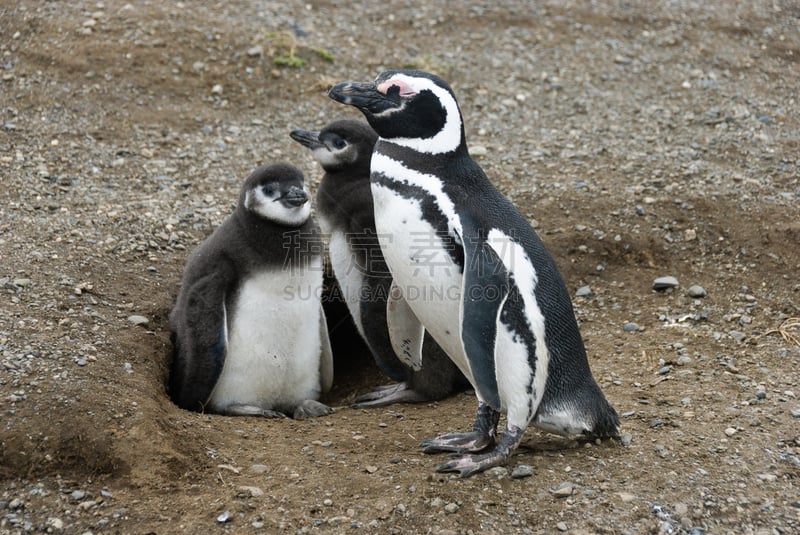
x=481, y=437
x=387, y=395
x=243, y=409
x=311, y=408
x=467, y=465
x=473, y=441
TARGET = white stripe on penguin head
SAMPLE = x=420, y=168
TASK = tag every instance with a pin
x=449, y=137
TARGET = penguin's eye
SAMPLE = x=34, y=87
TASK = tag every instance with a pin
x=268, y=190
x=339, y=143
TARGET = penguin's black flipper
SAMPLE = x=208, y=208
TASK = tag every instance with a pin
x=199, y=324
x=485, y=290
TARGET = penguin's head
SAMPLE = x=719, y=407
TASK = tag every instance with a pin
x=343, y=145
x=410, y=108
x=277, y=193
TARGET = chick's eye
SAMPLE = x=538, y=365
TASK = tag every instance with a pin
x=339, y=143
x=268, y=190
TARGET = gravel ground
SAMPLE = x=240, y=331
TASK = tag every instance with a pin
x=642, y=139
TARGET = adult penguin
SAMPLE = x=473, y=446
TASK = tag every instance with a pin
x=505, y=317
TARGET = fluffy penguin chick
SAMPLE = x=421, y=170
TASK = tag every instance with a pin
x=248, y=328
x=345, y=211
x=496, y=303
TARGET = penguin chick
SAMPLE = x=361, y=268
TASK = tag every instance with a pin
x=502, y=312
x=345, y=211
x=248, y=328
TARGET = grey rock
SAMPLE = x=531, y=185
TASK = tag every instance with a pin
x=224, y=517
x=498, y=472
x=78, y=495
x=521, y=471
x=583, y=291
x=626, y=439
x=665, y=283
x=563, y=490
x=630, y=327
x=737, y=335
x=250, y=492
x=696, y=291
x=138, y=320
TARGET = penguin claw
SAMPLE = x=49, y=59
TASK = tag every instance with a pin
x=457, y=443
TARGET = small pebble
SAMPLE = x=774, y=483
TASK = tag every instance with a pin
x=451, y=507
x=78, y=495
x=256, y=50
x=521, y=471
x=626, y=439
x=583, y=291
x=138, y=320
x=730, y=431
x=563, y=490
x=498, y=472
x=664, y=283
x=224, y=517
x=250, y=492
x=696, y=291
x=562, y=526
x=630, y=327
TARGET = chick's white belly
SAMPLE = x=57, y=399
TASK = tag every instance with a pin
x=273, y=346
x=423, y=270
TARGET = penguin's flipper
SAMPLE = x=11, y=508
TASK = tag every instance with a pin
x=483, y=293
x=202, y=339
x=405, y=330
x=326, y=354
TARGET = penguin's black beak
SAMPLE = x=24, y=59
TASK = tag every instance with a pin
x=295, y=197
x=308, y=139
x=365, y=97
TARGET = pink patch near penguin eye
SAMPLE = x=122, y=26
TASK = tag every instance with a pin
x=405, y=89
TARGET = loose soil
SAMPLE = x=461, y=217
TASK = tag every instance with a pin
x=641, y=139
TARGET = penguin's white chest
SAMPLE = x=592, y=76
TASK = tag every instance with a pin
x=273, y=341
x=422, y=268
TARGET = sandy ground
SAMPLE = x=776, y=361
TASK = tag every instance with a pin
x=641, y=139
